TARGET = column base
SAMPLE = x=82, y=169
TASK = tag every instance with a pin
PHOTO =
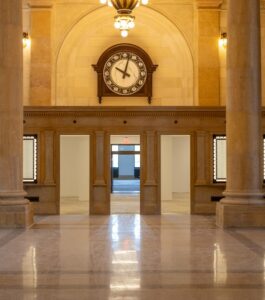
x=240, y=215
x=16, y=215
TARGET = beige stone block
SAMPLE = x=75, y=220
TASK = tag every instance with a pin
x=16, y=216
x=181, y=15
x=209, y=23
x=40, y=50
x=83, y=62
x=43, y=77
x=229, y=215
x=208, y=58
x=209, y=84
x=209, y=52
x=82, y=92
x=40, y=20
x=40, y=73
x=40, y=96
x=83, y=82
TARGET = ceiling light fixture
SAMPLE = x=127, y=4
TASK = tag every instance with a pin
x=124, y=21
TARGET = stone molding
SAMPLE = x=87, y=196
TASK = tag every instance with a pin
x=38, y=4
x=104, y=111
x=81, y=111
x=209, y=3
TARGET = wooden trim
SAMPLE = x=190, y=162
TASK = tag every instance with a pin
x=125, y=120
x=125, y=109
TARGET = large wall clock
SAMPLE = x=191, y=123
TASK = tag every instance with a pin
x=125, y=70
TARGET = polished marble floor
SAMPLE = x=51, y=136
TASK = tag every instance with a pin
x=126, y=185
x=166, y=257
x=180, y=203
x=127, y=203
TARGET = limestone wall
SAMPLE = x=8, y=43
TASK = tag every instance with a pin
x=82, y=30
x=181, y=36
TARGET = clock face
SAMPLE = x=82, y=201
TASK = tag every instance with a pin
x=124, y=73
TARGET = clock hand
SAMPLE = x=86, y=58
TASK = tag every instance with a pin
x=123, y=72
x=126, y=67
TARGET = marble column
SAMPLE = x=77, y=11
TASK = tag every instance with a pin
x=15, y=211
x=243, y=205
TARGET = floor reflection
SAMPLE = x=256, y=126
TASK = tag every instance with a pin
x=131, y=257
x=30, y=272
x=125, y=249
x=219, y=265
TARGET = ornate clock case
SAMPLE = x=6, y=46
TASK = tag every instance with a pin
x=132, y=64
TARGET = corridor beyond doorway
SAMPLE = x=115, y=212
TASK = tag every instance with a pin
x=125, y=174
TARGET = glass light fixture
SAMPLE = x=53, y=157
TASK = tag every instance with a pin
x=223, y=40
x=124, y=21
x=124, y=33
x=124, y=24
x=26, y=40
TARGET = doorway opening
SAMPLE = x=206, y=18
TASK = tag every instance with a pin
x=125, y=174
x=175, y=174
x=74, y=174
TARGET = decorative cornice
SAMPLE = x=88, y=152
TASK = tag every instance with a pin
x=39, y=4
x=209, y=112
x=209, y=3
x=123, y=108
x=184, y=112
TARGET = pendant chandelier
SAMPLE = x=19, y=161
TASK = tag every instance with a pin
x=124, y=21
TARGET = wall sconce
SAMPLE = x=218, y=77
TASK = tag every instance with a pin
x=26, y=40
x=223, y=40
